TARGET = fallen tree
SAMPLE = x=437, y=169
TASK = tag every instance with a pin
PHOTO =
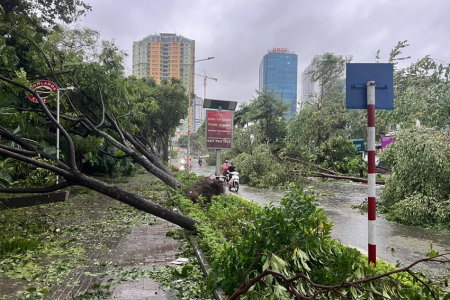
x=69, y=170
x=329, y=174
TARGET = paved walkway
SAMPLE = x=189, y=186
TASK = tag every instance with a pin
x=141, y=246
x=146, y=246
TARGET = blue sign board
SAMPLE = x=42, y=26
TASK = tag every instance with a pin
x=357, y=76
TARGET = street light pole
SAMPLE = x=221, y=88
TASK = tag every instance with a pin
x=57, y=120
x=189, y=110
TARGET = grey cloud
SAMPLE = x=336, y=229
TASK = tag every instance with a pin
x=239, y=33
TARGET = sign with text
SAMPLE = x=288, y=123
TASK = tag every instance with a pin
x=43, y=88
x=386, y=140
x=219, y=129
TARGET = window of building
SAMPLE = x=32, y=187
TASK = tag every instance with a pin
x=174, y=52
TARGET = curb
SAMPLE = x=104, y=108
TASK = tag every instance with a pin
x=218, y=292
x=17, y=202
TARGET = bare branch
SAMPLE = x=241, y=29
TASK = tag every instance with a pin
x=26, y=145
x=50, y=116
x=45, y=56
x=19, y=151
x=320, y=289
x=111, y=155
x=48, y=75
x=103, y=106
x=47, y=189
x=34, y=162
x=143, y=150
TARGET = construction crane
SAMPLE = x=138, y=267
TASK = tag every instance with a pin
x=204, y=82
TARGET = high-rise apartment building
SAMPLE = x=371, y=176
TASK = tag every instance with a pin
x=199, y=112
x=310, y=90
x=278, y=71
x=165, y=55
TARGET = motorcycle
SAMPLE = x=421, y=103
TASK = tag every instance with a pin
x=234, y=181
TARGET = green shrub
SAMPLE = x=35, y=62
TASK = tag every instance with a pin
x=262, y=169
x=419, y=182
x=419, y=209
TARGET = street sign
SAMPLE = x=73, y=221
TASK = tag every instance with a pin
x=386, y=140
x=357, y=76
x=43, y=88
x=219, y=129
x=371, y=87
x=360, y=145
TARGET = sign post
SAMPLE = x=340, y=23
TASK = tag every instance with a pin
x=43, y=89
x=219, y=132
x=363, y=83
x=219, y=127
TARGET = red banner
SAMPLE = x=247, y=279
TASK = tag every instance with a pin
x=219, y=129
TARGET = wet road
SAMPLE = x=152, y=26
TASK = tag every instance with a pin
x=350, y=226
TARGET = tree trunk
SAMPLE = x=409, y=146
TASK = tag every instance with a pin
x=143, y=150
x=133, y=200
x=166, y=147
x=355, y=179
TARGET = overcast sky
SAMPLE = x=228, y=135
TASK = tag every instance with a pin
x=239, y=32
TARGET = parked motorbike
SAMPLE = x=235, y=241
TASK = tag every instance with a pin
x=234, y=181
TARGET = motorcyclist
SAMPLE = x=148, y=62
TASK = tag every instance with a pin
x=225, y=167
x=231, y=168
x=200, y=162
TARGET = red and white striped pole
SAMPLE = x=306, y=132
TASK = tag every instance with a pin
x=371, y=193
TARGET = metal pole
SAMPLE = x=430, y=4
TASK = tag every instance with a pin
x=189, y=119
x=218, y=171
x=371, y=192
x=57, y=130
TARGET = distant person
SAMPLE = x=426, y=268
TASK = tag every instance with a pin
x=190, y=162
x=200, y=162
x=231, y=168
x=225, y=167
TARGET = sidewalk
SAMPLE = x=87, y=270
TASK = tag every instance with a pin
x=111, y=245
x=152, y=248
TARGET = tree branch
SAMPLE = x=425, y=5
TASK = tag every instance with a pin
x=19, y=151
x=48, y=75
x=103, y=106
x=50, y=116
x=111, y=155
x=47, y=189
x=26, y=145
x=34, y=162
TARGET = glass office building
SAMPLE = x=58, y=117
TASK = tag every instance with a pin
x=278, y=71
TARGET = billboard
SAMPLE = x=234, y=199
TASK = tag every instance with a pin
x=360, y=144
x=219, y=129
x=386, y=140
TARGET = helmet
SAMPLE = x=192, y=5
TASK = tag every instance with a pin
x=226, y=160
x=232, y=163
